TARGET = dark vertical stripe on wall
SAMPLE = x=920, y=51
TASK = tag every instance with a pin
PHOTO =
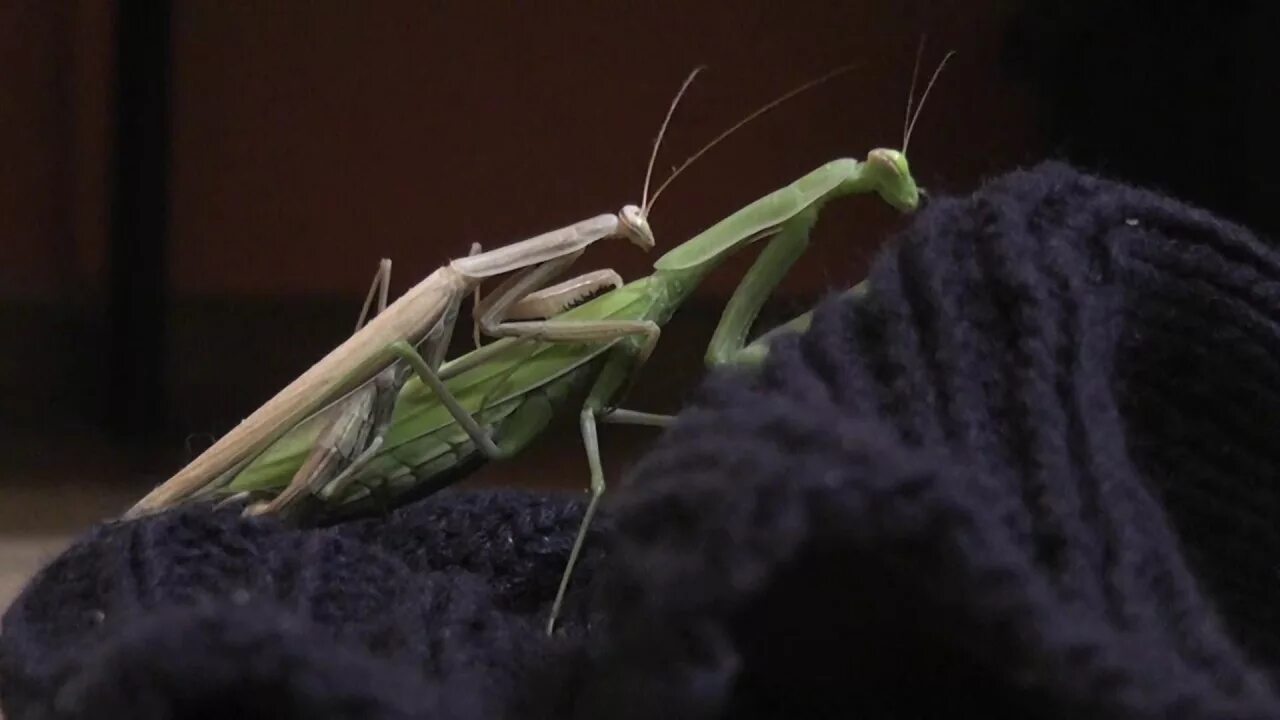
x=140, y=221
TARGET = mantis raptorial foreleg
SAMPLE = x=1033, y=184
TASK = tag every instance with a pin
x=565, y=330
x=491, y=315
x=551, y=301
x=770, y=267
x=729, y=345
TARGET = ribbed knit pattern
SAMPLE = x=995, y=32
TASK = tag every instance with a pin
x=1030, y=475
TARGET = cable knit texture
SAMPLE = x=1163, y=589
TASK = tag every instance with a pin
x=1030, y=475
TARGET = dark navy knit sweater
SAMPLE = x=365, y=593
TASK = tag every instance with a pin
x=1034, y=474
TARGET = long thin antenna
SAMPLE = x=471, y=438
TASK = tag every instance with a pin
x=738, y=125
x=910, y=128
x=648, y=173
x=911, y=94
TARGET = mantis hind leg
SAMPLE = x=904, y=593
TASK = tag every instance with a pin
x=339, y=483
x=431, y=378
x=326, y=451
x=615, y=375
x=528, y=421
x=358, y=426
x=389, y=382
x=392, y=378
x=475, y=301
x=379, y=287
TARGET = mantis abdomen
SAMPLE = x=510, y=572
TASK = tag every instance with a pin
x=428, y=462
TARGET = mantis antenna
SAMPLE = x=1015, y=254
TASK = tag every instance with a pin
x=738, y=125
x=911, y=93
x=909, y=120
x=648, y=173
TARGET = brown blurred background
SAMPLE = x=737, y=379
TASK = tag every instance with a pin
x=196, y=193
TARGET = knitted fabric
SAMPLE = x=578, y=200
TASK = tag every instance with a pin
x=1030, y=475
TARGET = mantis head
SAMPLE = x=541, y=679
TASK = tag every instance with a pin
x=891, y=177
x=635, y=226
x=887, y=169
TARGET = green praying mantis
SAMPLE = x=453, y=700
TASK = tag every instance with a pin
x=497, y=400
x=493, y=402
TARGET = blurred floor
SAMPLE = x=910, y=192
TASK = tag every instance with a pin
x=20, y=557
x=52, y=490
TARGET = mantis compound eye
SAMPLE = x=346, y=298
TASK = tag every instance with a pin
x=890, y=160
x=636, y=226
